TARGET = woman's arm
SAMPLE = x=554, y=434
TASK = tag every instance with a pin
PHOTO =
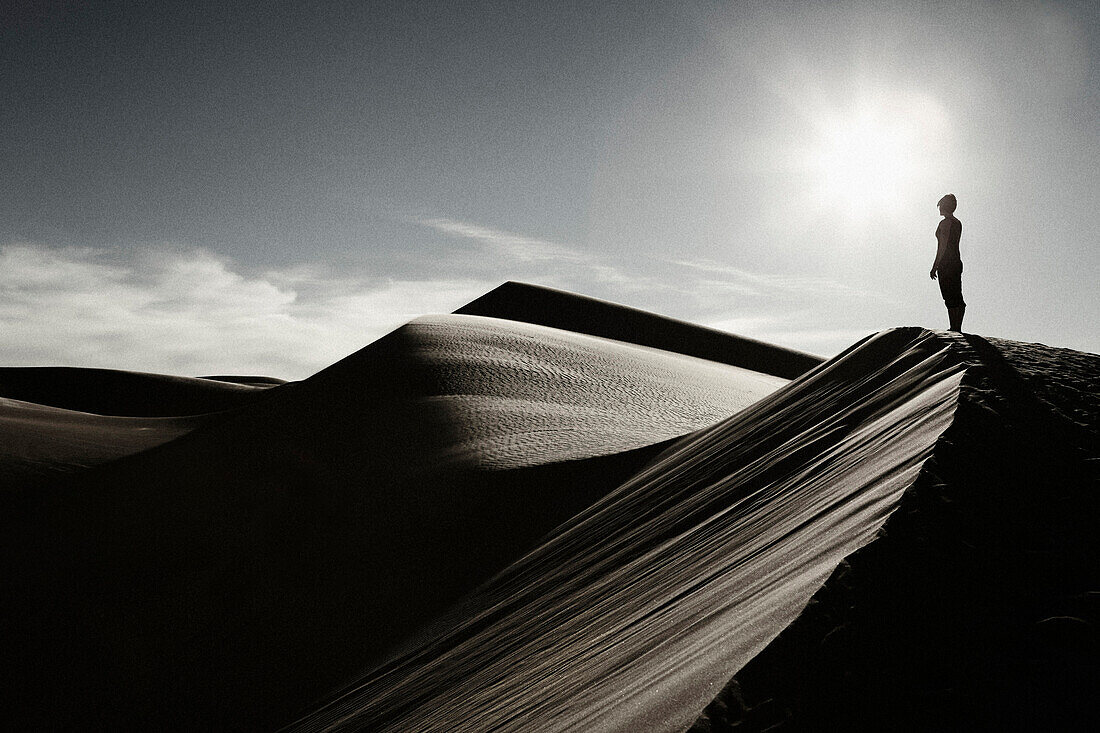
x=941, y=247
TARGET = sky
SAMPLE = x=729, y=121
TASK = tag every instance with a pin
x=264, y=188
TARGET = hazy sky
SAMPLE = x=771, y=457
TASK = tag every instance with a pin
x=266, y=187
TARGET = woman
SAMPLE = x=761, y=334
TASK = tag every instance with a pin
x=948, y=265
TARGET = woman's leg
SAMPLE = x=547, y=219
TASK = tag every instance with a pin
x=955, y=316
x=952, y=291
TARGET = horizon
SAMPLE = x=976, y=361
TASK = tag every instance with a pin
x=267, y=188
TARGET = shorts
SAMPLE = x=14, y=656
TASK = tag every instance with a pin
x=951, y=286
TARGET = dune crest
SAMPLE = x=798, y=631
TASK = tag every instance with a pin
x=516, y=301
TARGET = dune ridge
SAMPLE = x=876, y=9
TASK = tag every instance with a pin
x=56, y=421
x=976, y=608
x=633, y=614
x=38, y=441
x=517, y=301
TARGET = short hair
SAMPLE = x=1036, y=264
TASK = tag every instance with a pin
x=948, y=202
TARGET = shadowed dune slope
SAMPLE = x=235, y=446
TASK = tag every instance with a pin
x=579, y=313
x=37, y=441
x=633, y=614
x=127, y=394
x=977, y=608
x=235, y=575
x=61, y=420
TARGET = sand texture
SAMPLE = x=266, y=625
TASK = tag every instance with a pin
x=538, y=514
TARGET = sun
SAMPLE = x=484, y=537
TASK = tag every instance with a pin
x=875, y=154
x=866, y=158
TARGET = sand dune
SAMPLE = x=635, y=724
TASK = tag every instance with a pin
x=38, y=441
x=581, y=314
x=520, y=395
x=60, y=420
x=976, y=607
x=273, y=549
x=632, y=615
x=128, y=394
x=506, y=519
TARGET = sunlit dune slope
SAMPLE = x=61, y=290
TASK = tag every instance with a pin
x=581, y=314
x=519, y=394
x=633, y=614
x=233, y=576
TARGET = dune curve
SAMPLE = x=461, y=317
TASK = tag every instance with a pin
x=633, y=614
x=273, y=548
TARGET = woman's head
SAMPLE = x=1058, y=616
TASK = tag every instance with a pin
x=948, y=203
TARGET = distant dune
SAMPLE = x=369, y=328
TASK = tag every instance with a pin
x=56, y=420
x=581, y=314
x=547, y=512
x=127, y=394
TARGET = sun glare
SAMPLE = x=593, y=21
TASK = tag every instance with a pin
x=877, y=154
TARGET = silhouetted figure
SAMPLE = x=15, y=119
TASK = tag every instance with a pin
x=948, y=265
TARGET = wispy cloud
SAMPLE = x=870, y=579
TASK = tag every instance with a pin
x=804, y=312
x=194, y=312
x=546, y=261
x=761, y=283
x=515, y=246
x=815, y=314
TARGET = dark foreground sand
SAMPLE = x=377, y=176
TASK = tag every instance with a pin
x=536, y=515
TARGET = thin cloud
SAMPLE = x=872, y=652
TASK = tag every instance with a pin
x=773, y=308
x=515, y=246
x=196, y=313
x=544, y=261
x=762, y=282
x=812, y=314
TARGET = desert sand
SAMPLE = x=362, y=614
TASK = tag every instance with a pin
x=547, y=512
